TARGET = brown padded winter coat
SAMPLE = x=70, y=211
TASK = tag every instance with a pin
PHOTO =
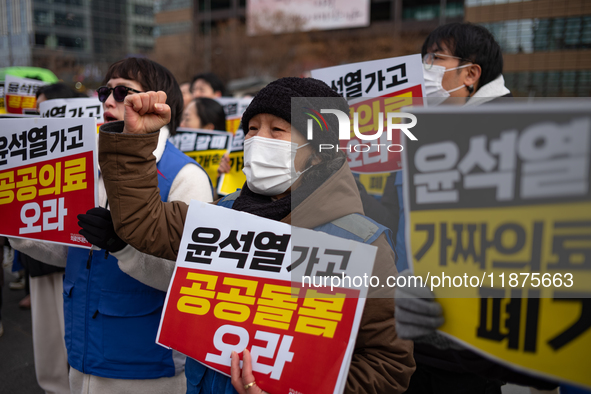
x=382, y=362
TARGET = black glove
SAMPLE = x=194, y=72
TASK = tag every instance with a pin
x=97, y=228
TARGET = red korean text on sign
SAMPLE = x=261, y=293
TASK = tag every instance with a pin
x=41, y=200
x=377, y=160
x=210, y=314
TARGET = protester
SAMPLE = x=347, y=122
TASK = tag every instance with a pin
x=204, y=113
x=55, y=91
x=324, y=191
x=472, y=52
x=47, y=303
x=45, y=298
x=207, y=85
x=186, y=91
x=462, y=61
x=111, y=312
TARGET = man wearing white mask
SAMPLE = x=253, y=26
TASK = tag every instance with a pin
x=463, y=65
x=462, y=61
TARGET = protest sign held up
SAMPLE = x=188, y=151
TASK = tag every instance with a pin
x=498, y=218
x=20, y=94
x=47, y=176
x=236, y=282
x=205, y=146
x=375, y=88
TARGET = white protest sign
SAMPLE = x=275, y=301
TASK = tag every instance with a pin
x=48, y=173
x=72, y=108
x=238, y=274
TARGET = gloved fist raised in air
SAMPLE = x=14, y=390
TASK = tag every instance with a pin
x=97, y=227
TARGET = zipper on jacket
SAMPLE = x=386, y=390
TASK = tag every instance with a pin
x=86, y=322
x=89, y=259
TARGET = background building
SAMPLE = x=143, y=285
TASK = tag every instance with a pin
x=76, y=39
x=174, y=40
x=201, y=35
x=546, y=43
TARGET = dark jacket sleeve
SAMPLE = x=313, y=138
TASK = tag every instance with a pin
x=129, y=171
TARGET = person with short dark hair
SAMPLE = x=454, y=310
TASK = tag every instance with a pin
x=148, y=75
x=207, y=85
x=321, y=191
x=114, y=295
x=45, y=298
x=204, y=113
x=55, y=91
x=463, y=60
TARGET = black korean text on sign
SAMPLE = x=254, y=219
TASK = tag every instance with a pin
x=268, y=248
x=313, y=267
x=33, y=143
x=543, y=162
x=472, y=240
x=502, y=319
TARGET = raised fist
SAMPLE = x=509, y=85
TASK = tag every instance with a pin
x=145, y=112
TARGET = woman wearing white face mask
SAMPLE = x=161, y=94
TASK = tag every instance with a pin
x=289, y=180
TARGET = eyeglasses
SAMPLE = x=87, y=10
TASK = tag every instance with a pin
x=429, y=59
x=119, y=93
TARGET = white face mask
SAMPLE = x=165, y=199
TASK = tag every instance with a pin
x=269, y=165
x=433, y=88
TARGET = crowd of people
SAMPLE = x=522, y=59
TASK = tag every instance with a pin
x=96, y=314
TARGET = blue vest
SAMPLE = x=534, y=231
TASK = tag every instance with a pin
x=204, y=380
x=111, y=319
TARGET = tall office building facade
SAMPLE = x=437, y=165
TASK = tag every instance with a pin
x=77, y=39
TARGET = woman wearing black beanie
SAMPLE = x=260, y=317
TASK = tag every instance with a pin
x=319, y=190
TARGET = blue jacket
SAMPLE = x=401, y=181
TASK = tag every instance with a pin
x=111, y=319
x=203, y=380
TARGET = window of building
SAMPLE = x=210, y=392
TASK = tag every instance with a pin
x=69, y=19
x=68, y=2
x=477, y=3
x=40, y=39
x=586, y=32
x=380, y=11
x=530, y=35
x=42, y=18
x=143, y=30
x=215, y=4
x=143, y=10
x=550, y=84
x=429, y=9
x=170, y=5
x=70, y=42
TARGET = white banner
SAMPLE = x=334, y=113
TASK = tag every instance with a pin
x=283, y=16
